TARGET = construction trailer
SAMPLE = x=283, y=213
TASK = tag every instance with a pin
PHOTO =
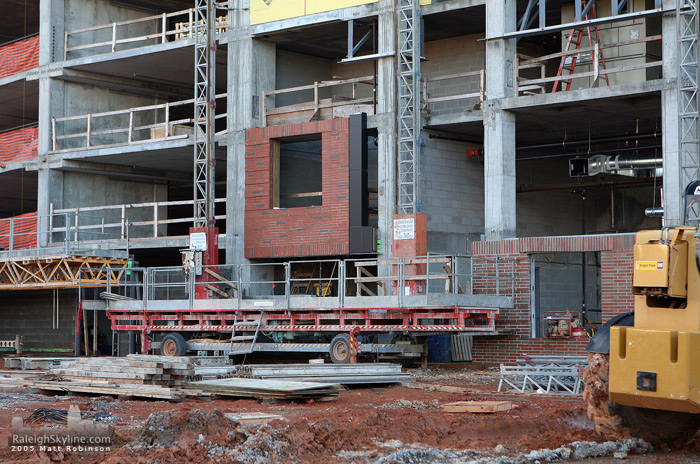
x=537, y=120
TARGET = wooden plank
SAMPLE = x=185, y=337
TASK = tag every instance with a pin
x=478, y=407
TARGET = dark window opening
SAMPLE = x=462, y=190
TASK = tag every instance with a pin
x=298, y=172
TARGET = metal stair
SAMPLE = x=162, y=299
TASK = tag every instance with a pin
x=234, y=347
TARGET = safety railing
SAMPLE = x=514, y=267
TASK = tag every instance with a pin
x=588, y=65
x=20, y=55
x=136, y=220
x=59, y=232
x=331, y=282
x=135, y=33
x=320, y=100
x=142, y=124
x=19, y=144
x=445, y=94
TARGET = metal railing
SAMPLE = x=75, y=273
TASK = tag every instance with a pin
x=153, y=219
x=342, y=98
x=135, y=33
x=275, y=285
x=64, y=235
x=450, y=88
x=124, y=127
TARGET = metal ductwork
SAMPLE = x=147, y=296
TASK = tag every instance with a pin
x=624, y=165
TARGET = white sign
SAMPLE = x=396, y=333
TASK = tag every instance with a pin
x=263, y=303
x=404, y=229
x=198, y=241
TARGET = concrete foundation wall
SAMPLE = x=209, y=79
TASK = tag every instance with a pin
x=30, y=314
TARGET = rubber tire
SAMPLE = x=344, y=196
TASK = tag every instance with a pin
x=176, y=345
x=615, y=421
x=340, y=349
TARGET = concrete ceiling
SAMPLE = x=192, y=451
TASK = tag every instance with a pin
x=20, y=19
x=610, y=117
x=172, y=159
x=171, y=68
x=20, y=104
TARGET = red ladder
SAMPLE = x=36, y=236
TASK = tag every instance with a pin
x=575, y=38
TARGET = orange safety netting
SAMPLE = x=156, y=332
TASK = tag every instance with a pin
x=19, y=145
x=19, y=56
x=23, y=231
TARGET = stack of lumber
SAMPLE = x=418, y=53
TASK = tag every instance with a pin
x=272, y=389
x=345, y=374
x=136, y=375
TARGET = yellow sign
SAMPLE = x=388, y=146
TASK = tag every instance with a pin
x=265, y=11
x=649, y=265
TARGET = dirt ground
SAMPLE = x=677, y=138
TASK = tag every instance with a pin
x=383, y=425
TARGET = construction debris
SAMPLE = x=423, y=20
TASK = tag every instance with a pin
x=479, y=407
x=136, y=375
x=345, y=374
x=274, y=389
x=27, y=363
x=61, y=415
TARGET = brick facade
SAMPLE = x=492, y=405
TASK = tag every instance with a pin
x=616, y=292
x=305, y=231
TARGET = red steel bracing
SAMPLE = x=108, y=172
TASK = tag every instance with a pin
x=19, y=56
x=19, y=145
x=422, y=319
x=23, y=231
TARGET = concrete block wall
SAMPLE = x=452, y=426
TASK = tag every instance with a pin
x=295, y=70
x=452, y=194
x=616, y=293
x=453, y=56
x=305, y=231
x=554, y=212
x=29, y=313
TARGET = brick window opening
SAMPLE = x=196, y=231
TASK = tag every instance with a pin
x=297, y=179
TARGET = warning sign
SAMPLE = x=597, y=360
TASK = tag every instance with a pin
x=649, y=265
x=404, y=229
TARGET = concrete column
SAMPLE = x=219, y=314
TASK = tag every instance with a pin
x=251, y=71
x=673, y=190
x=499, y=126
x=386, y=106
x=50, y=191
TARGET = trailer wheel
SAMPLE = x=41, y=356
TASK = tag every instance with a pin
x=340, y=349
x=616, y=421
x=173, y=344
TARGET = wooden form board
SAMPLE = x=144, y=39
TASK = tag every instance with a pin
x=265, y=11
x=478, y=407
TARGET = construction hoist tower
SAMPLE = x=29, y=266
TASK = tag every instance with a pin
x=409, y=124
x=687, y=29
x=204, y=236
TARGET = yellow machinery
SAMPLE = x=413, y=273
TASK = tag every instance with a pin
x=651, y=386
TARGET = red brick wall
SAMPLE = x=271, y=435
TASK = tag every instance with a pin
x=616, y=293
x=295, y=232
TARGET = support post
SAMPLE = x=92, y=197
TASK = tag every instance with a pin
x=499, y=125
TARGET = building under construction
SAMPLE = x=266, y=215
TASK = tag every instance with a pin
x=507, y=153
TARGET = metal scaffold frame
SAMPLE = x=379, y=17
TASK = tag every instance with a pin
x=409, y=124
x=688, y=105
x=204, y=112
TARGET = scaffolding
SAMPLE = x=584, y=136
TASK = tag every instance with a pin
x=688, y=105
x=409, y=104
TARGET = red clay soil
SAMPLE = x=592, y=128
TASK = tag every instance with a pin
x=361, y=420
